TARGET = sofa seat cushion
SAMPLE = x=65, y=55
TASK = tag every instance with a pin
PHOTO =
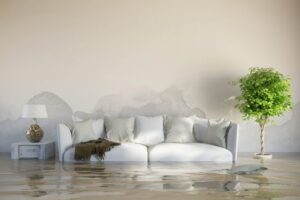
x=189, y=152
x=126, y=152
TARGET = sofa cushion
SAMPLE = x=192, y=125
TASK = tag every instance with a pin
x=83, y=131
x=128, y=152
x=149, y=130
x=97, y=124
x=179, y=129
x=211, y=131
x=119, y=129
x=125, y=152
x=200, y=128
x=216, y=132
x=192, y=152
x=98, y=127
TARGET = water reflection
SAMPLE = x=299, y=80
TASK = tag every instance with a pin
x=247, y=169
x=50, y=180
x=151, y=178
x=35, y=182
x=218, y=185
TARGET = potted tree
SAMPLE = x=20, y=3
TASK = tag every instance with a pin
x=265, y=93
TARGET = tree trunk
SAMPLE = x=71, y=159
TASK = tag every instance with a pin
x=262, y=139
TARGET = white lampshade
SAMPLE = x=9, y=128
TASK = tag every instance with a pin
x=34, y=111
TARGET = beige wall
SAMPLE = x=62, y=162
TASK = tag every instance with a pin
x=83, y=50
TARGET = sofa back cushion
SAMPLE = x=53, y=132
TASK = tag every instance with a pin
x=119, y=129
x=179, y=129
x=97, y=124
x=98, y=127
x=200, y=128
x=149, y=130
x=83, y=131
x=212, y=131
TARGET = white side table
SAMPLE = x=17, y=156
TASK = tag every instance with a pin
x=40, y=150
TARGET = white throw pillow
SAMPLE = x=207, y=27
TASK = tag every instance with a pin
x=216, y=132
x=119, y=129
x=179, y=129
x=200, y=128
x=98, y=127
x=149, y=130
x=97, y=124
x=83, y=131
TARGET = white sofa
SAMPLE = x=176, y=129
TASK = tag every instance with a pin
x=163, y=152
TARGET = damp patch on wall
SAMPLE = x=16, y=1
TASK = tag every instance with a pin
x=148, y=102
x=281, y=137
x=58, y=111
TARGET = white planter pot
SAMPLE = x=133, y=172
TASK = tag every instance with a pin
x=264, y=156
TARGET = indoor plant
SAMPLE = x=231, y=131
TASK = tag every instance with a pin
x=265, y=93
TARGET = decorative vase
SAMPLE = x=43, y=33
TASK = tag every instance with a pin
x=34, y=133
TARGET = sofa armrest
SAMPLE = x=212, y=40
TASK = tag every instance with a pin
x=233, y=140
x=64, y=139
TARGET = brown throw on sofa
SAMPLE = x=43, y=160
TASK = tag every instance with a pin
x=84, y=150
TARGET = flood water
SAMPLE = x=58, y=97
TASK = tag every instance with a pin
x=33, y=179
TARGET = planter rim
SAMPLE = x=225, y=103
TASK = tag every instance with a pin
x=262, y=156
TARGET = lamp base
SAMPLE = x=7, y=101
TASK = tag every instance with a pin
x=34, y=133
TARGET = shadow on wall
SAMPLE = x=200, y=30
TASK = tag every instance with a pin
x=148, y=103
x=218, y=96
x=58, y=111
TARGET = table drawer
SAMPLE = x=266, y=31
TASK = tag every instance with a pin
x=29, y=151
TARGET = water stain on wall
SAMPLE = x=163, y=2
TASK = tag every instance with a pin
x=279, y=137
x=148, y=102
x=289, y=131
x=58, y=111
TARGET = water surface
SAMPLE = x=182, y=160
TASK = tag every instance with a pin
x=34, y=179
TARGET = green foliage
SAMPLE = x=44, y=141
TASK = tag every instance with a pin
x=265, y=93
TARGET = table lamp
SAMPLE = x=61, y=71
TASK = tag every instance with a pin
x=34, y=111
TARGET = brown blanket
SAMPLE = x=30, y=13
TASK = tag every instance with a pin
x=84, y=150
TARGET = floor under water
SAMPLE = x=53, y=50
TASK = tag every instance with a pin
x=34, y=179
